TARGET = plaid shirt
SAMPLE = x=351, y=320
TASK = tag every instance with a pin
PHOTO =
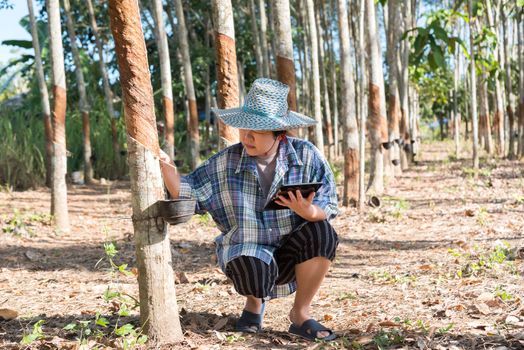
x=226, y=186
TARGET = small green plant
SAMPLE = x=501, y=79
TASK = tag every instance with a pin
x=389, y=278
x=205, y=218
x=503, y=294
x=519, y=199
x=234, y=338
x=385, y=339
x=446, y=329
x=36, y=334
x=347, y=296
x=121, y=304
x=483, y=216
x=483, y=260
x=19, y=224
x=399, y=207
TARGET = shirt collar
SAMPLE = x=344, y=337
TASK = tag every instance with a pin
x=286, y=156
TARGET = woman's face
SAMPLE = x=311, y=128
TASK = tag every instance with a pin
x=258, y=143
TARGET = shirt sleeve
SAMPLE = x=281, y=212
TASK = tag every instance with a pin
x=198, y=185
x=326, y=196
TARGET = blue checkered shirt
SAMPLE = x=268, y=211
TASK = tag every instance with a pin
x=226, y=185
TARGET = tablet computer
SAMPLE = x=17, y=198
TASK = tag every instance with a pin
x=304, y=188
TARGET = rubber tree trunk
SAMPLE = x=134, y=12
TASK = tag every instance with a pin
x=165, y=75
x=394, y=44
x=498, y=115
x=263, y=38
x=44, y=96
x=362, y=102
x=325, y=88
x=190, y=89
x=456, y=112
x=376, y=123
x=350, y=149
x=508, y=85
x=284, y=50
x=520, y=51
x=405, y=112
x=256, y=39
x=334, y=88
x=485, y=117
x=158, y=307
x=227, y=74
x=108, y=94
x=59, y=158
x=318, y=138
x=83, y=103
x=473, y=85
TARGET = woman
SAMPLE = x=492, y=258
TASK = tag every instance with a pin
x=267, y=253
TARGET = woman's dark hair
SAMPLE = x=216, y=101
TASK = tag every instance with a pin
x=277, y=133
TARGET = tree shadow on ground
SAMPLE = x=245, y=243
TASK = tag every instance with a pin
x=84, y=257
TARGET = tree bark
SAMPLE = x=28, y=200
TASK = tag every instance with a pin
x=376, y=124
x=256, y=39
x=351, y=155
x=404, y=129
x=327, y=107
x=59, y=159
x=498, y=116
x=362, y=102
x=165, y=78
x=508, y=85
x=190, y=89
x=520, y=50
x=108, y=94
x=83, y=103
x=318, y=138
x=44, y=96
x=158, y=308
x=284, y=50
x=393, y=49
x=334, y=92
x=263, y=38
x=473, y=86
x=227, y=74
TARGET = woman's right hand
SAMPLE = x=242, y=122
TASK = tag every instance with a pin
x=164, y=158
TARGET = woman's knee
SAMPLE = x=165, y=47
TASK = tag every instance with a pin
x=251, y=276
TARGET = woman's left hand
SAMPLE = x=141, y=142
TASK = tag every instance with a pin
x=300, y=205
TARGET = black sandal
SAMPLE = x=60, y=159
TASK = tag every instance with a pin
x=250, y=322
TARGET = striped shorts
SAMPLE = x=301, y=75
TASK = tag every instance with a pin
x=252, y=276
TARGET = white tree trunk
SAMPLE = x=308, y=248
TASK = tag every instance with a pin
x=284, y=50
x=473, y=86
x=377, y=125
x=351, y=161
x=165, y=78
x=190, y=89
x=256, y=39
x=44, y=95
x=318, y=139
x=84, y=105
x=59, y=159
x=263, y=38
x=227, y=74
x=158, y=307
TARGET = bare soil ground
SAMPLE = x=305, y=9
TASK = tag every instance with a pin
x=438, y=266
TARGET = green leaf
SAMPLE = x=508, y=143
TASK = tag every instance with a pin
x=124, y=330
x=440, y=33
x=520, y=3
x=25, y=44
x=101, y=321
x=110, y=249
x=110, y=294
x=438, y=55
x=70, y=327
